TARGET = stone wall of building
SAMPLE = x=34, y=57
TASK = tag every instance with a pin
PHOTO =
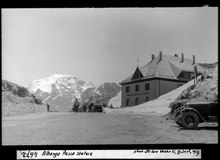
x=156, y=89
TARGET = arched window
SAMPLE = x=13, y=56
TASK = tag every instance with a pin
x=127, y=102
x=146, y=99
x=136, y=101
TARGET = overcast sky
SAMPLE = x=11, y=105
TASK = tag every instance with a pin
x=101, y=45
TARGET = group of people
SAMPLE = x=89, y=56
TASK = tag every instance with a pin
x=90, y=106
x=76, y=105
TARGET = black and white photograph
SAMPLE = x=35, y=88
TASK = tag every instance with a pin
x=109, y=76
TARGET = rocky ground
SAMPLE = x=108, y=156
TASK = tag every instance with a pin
x=56, y=128
x=17, y=100
x=204, y=90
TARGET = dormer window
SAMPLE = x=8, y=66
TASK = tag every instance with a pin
x=137, y=74
x=186, y=75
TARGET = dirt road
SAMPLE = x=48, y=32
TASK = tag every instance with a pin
x=98, y=128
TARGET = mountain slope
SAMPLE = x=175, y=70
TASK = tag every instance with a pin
x=14, y=88
x=106, y=92
x=62, y=90
x=204, y=90
x=115, y=102
x=17, y=99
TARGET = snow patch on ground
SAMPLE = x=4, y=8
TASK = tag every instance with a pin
x=115, y=101
x=55, y=97
x=97, y=91
x=46, y=99
x=87, y=85
x=57, y=86
x=77, y=95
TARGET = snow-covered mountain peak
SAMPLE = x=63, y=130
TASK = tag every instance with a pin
x=62, y=90
x=42, y=84
x=60, y=82
x=87, y=85
x=57, y=76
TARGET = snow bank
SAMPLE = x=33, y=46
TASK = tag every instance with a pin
x=159, y=106
x=206, y=90
x=116, y=101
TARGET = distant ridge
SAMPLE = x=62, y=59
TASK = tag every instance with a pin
x=17, y=100
x=62, y=90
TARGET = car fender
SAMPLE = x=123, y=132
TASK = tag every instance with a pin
x=194, y=110
x=177, y=113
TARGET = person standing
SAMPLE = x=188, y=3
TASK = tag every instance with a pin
x=76, y=105
x=84, y=107
x=48, y=107
x=103, y=107
x=90, y=107
x=202, y=78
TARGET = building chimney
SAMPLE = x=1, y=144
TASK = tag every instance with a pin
x=152, y=57
x=182, y=57
x=175, y=55
x=194, y=60
x=160, y=56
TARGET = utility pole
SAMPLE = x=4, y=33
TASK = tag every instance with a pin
x=195, y=74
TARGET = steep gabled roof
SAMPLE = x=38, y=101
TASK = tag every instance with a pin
x=169, y=67
x=137, y=74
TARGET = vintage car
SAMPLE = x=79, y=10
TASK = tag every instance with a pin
x=192, y=113
x=97, y=108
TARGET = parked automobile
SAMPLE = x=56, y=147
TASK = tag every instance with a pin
x=192, y=113
x=98, y=108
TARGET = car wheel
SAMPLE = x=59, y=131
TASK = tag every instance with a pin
x=190, y=120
